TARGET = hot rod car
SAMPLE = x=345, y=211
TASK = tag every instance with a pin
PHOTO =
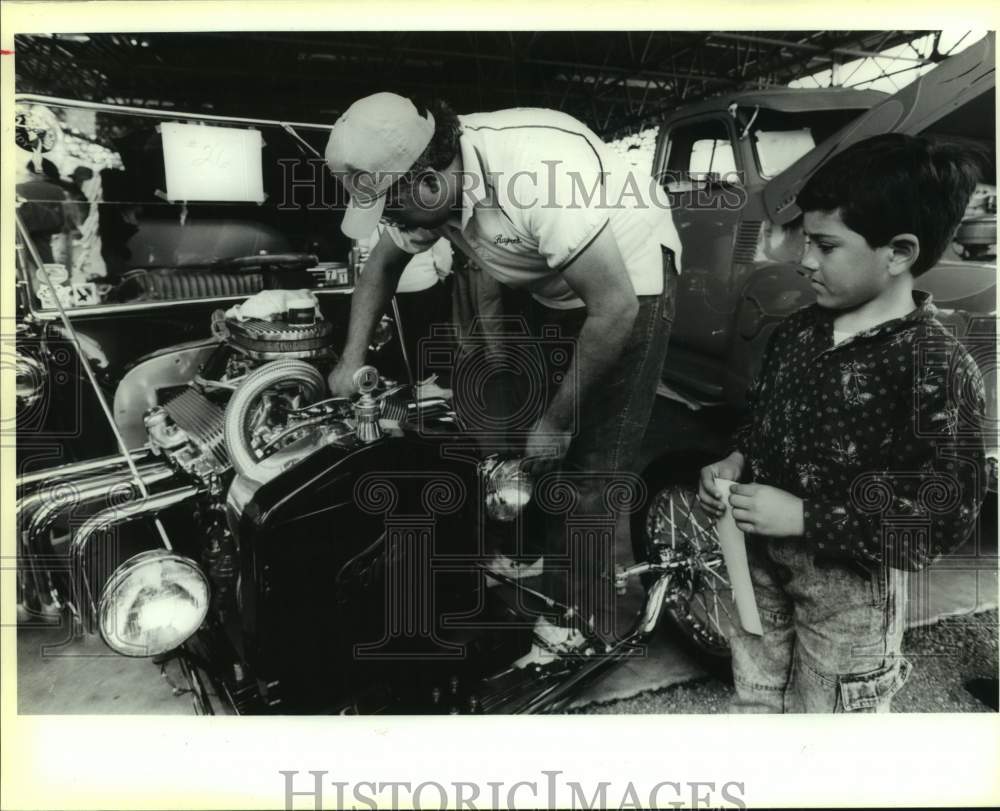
x=188, y=490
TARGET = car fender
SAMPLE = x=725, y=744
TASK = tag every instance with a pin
x=138, y=390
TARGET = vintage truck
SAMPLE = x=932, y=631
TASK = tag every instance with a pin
x=733, y=164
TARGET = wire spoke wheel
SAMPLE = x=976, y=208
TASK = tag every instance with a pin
x=699, y=602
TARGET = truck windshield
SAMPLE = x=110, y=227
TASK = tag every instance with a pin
x=781, y=138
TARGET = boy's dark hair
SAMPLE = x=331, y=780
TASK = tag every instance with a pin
x=897, y=184
x=443, y=148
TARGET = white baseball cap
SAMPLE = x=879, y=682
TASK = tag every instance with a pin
x=375, y=141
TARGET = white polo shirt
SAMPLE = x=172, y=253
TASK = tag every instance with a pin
x=538, y=189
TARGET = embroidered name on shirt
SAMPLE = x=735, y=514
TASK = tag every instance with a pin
x=503, y=240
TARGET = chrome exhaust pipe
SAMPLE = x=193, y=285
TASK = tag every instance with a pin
x=36, y=513
x=146, y=507
x=77, y=469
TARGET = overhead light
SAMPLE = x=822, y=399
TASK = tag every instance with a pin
x=65, y=37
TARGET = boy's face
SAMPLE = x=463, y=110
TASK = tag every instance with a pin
x=846, y=272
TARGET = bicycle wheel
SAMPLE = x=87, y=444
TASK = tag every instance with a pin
x=699, y=602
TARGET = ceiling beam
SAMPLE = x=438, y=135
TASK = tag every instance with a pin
x=819, y=49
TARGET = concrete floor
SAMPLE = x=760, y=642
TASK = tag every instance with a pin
x=59, y=674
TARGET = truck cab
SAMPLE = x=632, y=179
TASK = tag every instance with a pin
x=732, y=165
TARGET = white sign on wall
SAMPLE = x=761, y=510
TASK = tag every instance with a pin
x=212, y=163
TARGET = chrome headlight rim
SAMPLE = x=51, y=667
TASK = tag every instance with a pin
x=508, y=488
x=128, y=570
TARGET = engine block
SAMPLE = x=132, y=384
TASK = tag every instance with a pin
x=202, y=420
x=189, y=430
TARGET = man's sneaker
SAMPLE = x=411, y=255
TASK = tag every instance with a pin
x=550, y=642
x=511, y=569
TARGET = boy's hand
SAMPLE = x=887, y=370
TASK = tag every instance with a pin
x=765, y=510
x=708, y=493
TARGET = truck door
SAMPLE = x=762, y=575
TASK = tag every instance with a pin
x=698, y=165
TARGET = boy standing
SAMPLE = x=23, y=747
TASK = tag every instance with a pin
x=864, y=442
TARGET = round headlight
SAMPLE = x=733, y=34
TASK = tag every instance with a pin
x=508, y=489
x=152, y=603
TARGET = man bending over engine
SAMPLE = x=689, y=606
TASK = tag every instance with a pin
x=540, y=203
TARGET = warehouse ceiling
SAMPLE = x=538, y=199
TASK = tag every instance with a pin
x=617, y=82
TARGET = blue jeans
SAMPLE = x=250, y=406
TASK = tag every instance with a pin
x=832, y=637
x=584, y=541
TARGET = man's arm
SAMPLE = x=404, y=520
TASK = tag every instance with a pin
x=372, y=293
x=598, y=276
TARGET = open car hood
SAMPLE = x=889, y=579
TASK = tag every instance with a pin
x=957, y=81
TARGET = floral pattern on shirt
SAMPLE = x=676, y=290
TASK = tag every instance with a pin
x=884, y=447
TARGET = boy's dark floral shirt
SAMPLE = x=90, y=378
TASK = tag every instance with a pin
x=880, y=435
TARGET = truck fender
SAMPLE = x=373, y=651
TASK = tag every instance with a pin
x=773, y=291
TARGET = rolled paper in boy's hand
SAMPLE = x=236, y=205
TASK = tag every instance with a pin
x=735, y=553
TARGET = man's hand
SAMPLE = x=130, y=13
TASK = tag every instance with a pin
x=546, y=446
x=341, y=380
x=708, y=493
x=765, y=510
x=372, y=293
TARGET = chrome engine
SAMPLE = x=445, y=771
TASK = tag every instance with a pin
x=189, y=429
x=208, y=423
x=283, y=362
x=261, y=390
